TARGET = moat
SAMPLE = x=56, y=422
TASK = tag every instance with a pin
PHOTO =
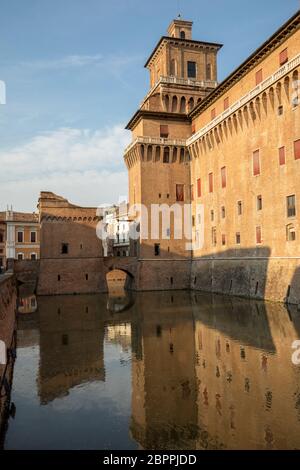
x=156, y=370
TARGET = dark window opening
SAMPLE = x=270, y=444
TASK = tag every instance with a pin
x=291, y=205
x=208, y=72
x=240, y=207
x=182, y=35
x=86, y=277
x=156, y=249
x=65, y=340
x=191, y=68
x=158, y=331
x=238, y=238
x=33, y=237
x=58, y=277
x=166, y=157
x=259, y=203
x=64, y=248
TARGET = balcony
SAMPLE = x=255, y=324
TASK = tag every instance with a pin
x=156, y=141
x=181, y=82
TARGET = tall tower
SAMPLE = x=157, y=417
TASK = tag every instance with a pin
x=182, y=72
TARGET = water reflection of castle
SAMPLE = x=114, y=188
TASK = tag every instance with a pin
x=71, y=344
x=207, y=371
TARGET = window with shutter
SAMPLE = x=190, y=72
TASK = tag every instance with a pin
x=283, y=57
x=223, y=176
x=164, y=131
x=297, y=149
x=211, y=182
x=256, y=163
x=282, y=156
x=199, y=187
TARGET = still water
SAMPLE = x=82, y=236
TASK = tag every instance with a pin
x=164, y=370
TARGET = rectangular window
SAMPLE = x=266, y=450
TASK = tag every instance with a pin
x=156, y=249
x=191, y=69
x=211, y=182
x=20, y=237
x=1, y=237
x=179, y=192
x=214, y=236
x=297, y=149
x=240, y=207
x=199, y=187
x=64, y=248
x=256, y=163
x=164, y=131
x=33, y=256
x=223, y=212
x=291, y=205
x=226, y=103
x=223, y=176
x=259, y=203
x=20, y=256
x=238, y=238
x=283, y=57
x=282, y=156
x=223, y=239
x=258, y=235
x=33, y=237
x=258, y=77
x=213, y=114
x=290, y=233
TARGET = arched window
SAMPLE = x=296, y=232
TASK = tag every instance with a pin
x=182, y=105
x=290, y=233
x=166, y=157
x=182, y=35
x=174, y=104
x=167, y=101
x=191, y=104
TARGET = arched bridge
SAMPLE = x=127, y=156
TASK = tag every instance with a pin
x=127, y=264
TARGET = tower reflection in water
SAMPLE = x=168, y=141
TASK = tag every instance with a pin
x=207, y=372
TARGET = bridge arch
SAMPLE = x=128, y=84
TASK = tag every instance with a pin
x=126, y=265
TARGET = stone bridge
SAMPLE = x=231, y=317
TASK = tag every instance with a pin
x=127, y=264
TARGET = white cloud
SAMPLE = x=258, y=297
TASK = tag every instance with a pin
x=83, y=165
x=109, y=62
x=65, y=62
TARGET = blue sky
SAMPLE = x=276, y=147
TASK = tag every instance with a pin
x=74, y=76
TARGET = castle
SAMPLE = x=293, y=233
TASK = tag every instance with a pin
x=232, y=149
